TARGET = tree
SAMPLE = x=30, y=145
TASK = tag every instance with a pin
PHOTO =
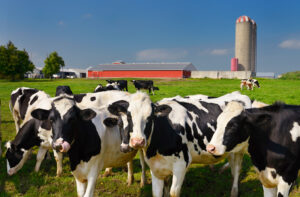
x=53, y=63
x=13, y=62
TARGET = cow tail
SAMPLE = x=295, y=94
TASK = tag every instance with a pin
x=10, y=107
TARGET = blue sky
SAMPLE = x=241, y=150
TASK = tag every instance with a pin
x=87, y=33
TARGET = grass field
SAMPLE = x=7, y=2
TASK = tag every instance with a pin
x=199, y=181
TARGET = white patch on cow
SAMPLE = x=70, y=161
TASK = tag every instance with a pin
x=232, y=110
x=211, y=127
x=13, y=170
x=205, y=140
x=63, y=105
x=8, y=145
x=295, y=132
x=266, y=178
x=140, y=108
x=46, y=137
x=258, y=104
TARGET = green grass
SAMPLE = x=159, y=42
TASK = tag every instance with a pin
x=199, y=181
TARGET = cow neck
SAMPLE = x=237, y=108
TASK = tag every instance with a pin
x=86, y=143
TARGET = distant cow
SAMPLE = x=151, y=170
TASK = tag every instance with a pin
x=121, y=83
x=144, y=84
x=249, y=83
x=101, y=88
x=272, y=136
x=90, y=136
x=173, y=134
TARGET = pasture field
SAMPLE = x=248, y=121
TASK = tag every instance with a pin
x=200, y=180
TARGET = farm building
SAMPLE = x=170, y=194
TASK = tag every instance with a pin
x=142, y=70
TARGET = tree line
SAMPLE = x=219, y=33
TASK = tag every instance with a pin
x=15, y=63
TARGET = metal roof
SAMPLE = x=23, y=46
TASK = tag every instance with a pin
x=145, y=66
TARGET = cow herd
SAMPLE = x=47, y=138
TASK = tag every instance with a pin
x=106, y=129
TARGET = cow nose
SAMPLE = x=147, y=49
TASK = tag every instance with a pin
x=137, y=142
x=210, y=148
x=125, y=148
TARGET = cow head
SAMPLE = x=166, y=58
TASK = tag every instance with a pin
x=255, y=82
x=65, y=117
x=16, y=157
x=136, y=119
x=230, y=135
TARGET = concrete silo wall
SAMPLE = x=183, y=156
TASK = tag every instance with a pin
x=253, y=53
x=243, y=45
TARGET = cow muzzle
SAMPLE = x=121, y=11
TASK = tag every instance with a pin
x=137, y=143
x=61, y=145
x=211, y=149
x=125, y=148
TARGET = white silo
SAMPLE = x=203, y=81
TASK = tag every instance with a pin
x=245, y=44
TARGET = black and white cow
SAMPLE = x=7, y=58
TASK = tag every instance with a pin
x=122, y=84
x=144, y=84
x=89, y=136
x=22, y=101
x=272, y=135
x=173, y=134
x=32, y=133
x=101, y=88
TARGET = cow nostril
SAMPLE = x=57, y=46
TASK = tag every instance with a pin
x=210, y=148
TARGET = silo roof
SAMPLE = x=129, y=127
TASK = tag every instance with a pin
x=145, y=66
x=242, y=19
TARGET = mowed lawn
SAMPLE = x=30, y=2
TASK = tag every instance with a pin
x=199, y=181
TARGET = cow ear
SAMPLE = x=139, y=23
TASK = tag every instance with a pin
x=110, y=122
x=87, y=114
x=40, y=114
x=118, y=107
x=162, y=110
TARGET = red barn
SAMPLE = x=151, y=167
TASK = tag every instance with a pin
x=142, y=70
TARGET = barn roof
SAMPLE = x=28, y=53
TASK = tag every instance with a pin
x=145, y=66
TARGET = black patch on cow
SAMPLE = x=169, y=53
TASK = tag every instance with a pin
x=93, y=98
x=87, y=143
x=26, y=138
x=63, y=90
x=273, y=173
x=24, y=101
x=163, y=129
x=189, y=134
x=186, y=97
x=78, y=97
x=202, y=119
x=211, y=97
x=189, y=115
x=35, y=98
x=46, y=124
x=270, y=142
x=14, y=97
x=280, y=195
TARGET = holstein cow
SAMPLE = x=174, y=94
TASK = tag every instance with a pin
x=173, y=134
x=122, y=84
x=89, y=136
x=249, y=83
x=32, y=133
x=22, y=101
x=101, y=88
x=272, y=135
x=144, y=84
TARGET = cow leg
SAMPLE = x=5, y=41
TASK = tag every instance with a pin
x=179, y=171
x=130, y=177
x=157, y=186
x=91, y=180
x=80, y=187
x=241, y=86
x=235, y=161
x=270, y=192
x=283, y=188
x=58, y=158
x=224, y=167
x=107, y=172
x=143, y=176
x=39, y=158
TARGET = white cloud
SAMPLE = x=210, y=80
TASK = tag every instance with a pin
x=61, y=23
x=161, y=54
x=290, y=44
x=87, y=16
x=219, y=52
